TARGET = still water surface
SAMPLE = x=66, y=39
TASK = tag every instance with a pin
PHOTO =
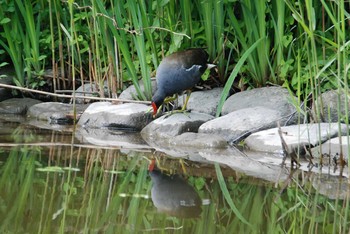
x=52, y=183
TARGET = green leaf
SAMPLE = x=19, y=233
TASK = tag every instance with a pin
x=42, y=57
x=205, y=75
x=5, y=21
x=199, y=183
x=3, y=64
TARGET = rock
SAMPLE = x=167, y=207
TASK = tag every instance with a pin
x=241, y=123
x=90, y=90
x=198, y=140
x=203, y=101
x=242, y=163
x=332, y=149
x=63, y=127
x=106, y=137
x=12, y=119
x=188, y=144
x=294, y=136
x=17, y=106
x=333, y=187
x=55, y=112
x=5, y=93
x=275, y=98
x=122, y=116
x=176, y=135
x=131, y=94
x=172, y=125
x=328, y=107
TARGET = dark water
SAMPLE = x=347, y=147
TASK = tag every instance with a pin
x=53, y=183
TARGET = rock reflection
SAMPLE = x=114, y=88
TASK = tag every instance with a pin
x=174, y=196
x=333, y=187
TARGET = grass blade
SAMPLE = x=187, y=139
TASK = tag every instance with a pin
x=234, y=74
x=227, y=196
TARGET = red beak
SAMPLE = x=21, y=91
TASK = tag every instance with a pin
x=152, y=165
x=155, y=108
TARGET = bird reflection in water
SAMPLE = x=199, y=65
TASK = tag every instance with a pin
x=173, y=195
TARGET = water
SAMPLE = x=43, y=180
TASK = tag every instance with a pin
x=53, y=183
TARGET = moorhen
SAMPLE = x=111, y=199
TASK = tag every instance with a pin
x=178, y=72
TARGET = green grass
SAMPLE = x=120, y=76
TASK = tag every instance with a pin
x=122, y=42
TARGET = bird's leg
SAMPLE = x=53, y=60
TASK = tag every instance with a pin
x=188, y=94
x=183, y=109
x=174, y=97
x=168, y=101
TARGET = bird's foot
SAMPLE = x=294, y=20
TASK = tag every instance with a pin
x=170, y=99
x=185, y=112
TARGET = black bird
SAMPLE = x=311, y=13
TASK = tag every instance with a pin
x=178, y=72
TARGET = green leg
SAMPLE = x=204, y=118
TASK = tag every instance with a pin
x=188, y=94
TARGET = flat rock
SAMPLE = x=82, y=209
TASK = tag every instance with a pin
x=188, y=144
x=55, y=112
x=332, y=149
x=203, y=101
x=90, y=90
x=17, y=106
x=239, y=162
x=107, y=137
x=198, y=140
x=12, y=118
x=50, y=124
x=275, y=98
x=328, y=106
x=131, y=94
x=168, y=126
x=241, y=123
x=333, y=187
x=121, y=116
x=294, y=136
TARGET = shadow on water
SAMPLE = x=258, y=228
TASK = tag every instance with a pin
x=52, y=183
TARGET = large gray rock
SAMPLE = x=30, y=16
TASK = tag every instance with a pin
x=17, y=106
x=275, y=98
x=203, y=101
x=106, y=114
x=294, y=136
x=241, y=123
x=55, y=112
x=171, y=125
x=328, y=107
x=176, y=134
x=131, y=94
